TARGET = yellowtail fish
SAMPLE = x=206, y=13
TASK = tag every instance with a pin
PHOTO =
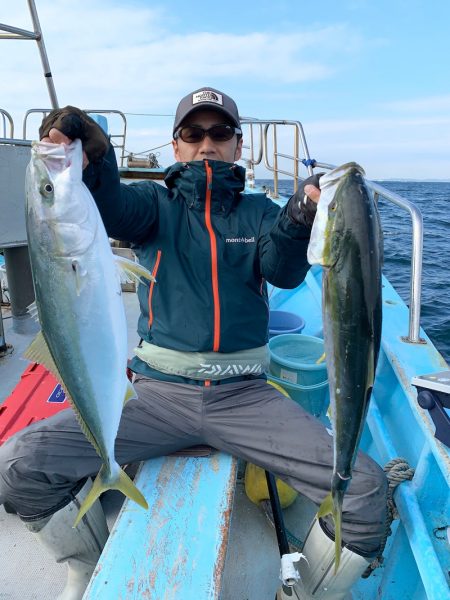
x=83, y=338
x=347, y=240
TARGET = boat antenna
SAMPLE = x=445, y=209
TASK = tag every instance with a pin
x=14, y=33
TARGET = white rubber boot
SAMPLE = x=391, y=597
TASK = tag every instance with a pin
x=80, y=547
x=317, y=578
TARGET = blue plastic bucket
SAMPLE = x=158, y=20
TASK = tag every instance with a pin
x=282, y=322
x=294, y=358
x=313, y=398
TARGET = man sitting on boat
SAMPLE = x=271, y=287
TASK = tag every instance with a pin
x=211, y=248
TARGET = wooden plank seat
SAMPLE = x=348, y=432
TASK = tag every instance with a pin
x=176, y=548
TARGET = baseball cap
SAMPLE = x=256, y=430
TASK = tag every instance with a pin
x=206, y=97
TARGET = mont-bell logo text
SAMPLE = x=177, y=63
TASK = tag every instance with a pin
x=240, y=240
x=207, y=96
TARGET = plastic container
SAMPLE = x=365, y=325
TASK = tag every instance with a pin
x=294, y=358
x=282, y=322
x=313, y=398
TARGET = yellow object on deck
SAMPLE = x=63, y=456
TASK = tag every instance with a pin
x=257, y=490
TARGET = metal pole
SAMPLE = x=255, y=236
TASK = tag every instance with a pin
x=2, y=331
x=15, y=33
x=280, y=529
x=43, y=53
x=20, y=284
x=296, y=158
x=275, y=162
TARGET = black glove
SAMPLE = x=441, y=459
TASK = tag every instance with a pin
x=76, y=124
x=301, y=209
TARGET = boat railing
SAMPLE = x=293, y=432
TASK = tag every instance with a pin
x=263, y=145
x=118, y=138
x=6, y=117
x=262, y=139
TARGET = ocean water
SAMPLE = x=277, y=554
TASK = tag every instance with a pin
x=433, y=200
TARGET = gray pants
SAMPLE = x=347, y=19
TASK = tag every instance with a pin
x=42, y=465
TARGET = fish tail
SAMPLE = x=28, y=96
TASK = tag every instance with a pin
x=102, y=483
x=332, y=505
x=337, y=517
x=127, y=487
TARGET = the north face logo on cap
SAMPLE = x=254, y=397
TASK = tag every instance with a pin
x=207, y=96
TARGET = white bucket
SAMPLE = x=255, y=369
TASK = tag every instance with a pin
x=3, y=273
x=4, y=282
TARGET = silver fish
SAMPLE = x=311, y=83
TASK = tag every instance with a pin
x=347, y=241
x=79, y=304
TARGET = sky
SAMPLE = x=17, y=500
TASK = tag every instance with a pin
x=368, y=79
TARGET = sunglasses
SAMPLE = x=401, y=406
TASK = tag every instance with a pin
x=192, y=134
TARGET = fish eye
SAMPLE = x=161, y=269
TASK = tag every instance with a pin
x=333, y=206
x=47, y=189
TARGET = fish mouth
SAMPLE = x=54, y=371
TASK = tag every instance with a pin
x=54, y=158
x=48, y=149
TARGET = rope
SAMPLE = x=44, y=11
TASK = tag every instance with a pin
x=151, y=149
x=397, y=470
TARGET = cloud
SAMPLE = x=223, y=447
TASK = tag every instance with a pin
x=424, y=104
x=104, y=54
x=135, y=57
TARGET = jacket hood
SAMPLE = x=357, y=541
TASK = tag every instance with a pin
x=189, y=180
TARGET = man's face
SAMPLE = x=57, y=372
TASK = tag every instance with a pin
x=225, y=151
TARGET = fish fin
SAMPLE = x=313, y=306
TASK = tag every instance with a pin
x=39, y=352
x=33, y=311
x=127, y=487
x=84, y=428
x=101, y=484
x=328, y=507
x=130, y=393
x=80, y=276
x=337, y=517
x=130, y=271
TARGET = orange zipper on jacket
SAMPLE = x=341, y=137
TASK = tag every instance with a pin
x=214, y=267
x=152, y=285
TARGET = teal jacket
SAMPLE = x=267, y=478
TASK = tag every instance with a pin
x=211, y=247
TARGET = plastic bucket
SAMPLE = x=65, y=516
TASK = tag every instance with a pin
x=293, y=358
x=282, y=322
x=313, y=398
